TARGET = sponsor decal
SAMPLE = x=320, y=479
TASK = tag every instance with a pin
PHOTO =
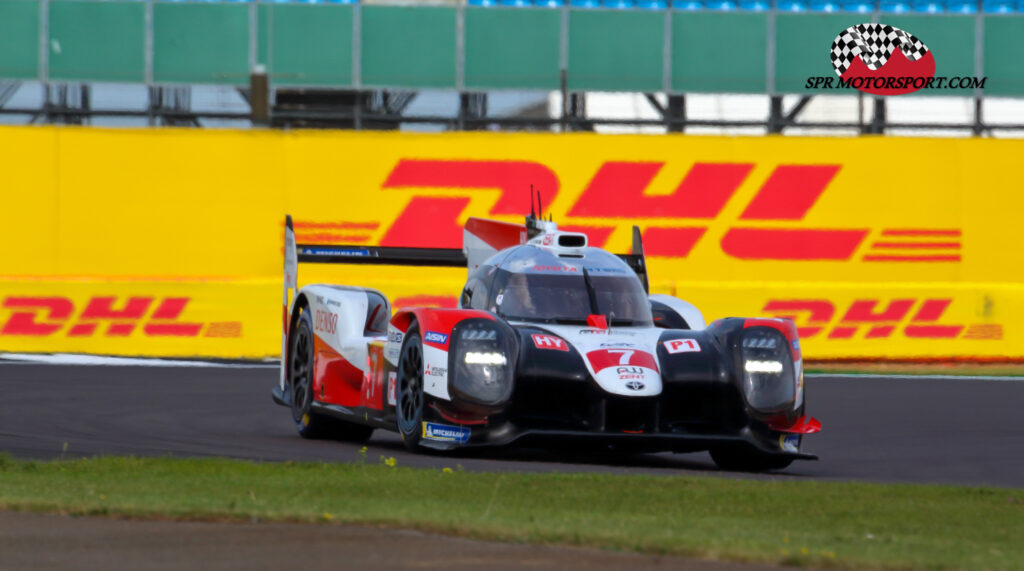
x=322, y=251
x=626, y=373
x=557, y=269
x=789, y=442
x=435, y=371
x=907, y=318
x=392, y=383
x=618, y=332
x=445, y=432
x=635, y=386
x=107, y=316
x=435, y=337
x=549, y=342
x=605, y=358
x=682, y=346
x=617, y=344
x=325, y=321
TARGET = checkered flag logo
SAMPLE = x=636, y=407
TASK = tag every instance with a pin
x=874, y=43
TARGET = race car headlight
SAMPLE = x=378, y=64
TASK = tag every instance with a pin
x=482, y=361
x=769, y=381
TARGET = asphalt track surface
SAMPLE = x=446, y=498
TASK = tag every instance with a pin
x=926, y=430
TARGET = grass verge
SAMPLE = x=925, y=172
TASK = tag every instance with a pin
x=852, y=525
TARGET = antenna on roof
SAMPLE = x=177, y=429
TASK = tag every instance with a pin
x=540, y=207
x=532, y=214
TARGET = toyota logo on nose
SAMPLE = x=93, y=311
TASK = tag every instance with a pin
x=635, y=385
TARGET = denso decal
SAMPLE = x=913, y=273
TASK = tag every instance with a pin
x=445, y=432
x=910, y=318
x=674, y=346
x=43, y=316
x=435, y=337
x=325, y=321
x=549, y=342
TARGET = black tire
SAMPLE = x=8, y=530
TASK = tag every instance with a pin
x=738, y=459
x=409, y=389
x=302, y=361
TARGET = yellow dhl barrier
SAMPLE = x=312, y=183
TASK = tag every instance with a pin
x=241, y=319
x=94, y=213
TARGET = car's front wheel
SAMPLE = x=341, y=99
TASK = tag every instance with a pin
x=409, y=408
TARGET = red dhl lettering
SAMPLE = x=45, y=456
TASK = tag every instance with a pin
x=618, y=191
x=877, y=319
x=107, y=316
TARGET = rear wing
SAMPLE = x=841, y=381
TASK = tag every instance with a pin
x=390, y=256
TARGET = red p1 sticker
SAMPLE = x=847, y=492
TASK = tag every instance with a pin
x=682, y=346
x=549, y=342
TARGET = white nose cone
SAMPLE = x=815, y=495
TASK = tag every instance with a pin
x=629, y=381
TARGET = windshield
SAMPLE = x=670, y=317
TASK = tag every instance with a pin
x=564, y=298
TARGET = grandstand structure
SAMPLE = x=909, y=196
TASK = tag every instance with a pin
x=342, y=63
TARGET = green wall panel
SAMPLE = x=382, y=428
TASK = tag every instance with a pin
x=1004, y=55
x=616, y=50
x=512, y=47
x=309, y=45
x=201, y=43
x=802, y=46
x=716, y=52
x=98, y=41
x=19, y=39
x=408, y=47
x=951, y=41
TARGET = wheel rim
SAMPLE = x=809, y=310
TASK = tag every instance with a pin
x=301, y=373
x=410, y=397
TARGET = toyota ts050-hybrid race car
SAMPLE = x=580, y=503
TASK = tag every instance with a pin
x=553, y=343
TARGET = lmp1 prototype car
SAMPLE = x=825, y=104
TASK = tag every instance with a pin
x=553, y=343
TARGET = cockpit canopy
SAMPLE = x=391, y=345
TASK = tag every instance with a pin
x=530, y=283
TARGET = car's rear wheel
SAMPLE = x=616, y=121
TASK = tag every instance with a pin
x=741, y=459
x=409, y=408
x=301, y=368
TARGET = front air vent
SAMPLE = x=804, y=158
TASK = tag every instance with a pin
x=572, y=240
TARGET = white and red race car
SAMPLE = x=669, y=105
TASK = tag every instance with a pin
x=554, y=343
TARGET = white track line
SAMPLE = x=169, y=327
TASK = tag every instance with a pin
x=95, y=360
x=891, y=377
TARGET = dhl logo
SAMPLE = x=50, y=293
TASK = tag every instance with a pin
x=617, y=191
x=44, y=316
x=877, y=319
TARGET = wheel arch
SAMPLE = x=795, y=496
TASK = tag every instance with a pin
x=301, y=302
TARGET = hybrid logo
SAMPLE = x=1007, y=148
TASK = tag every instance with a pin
x=549, y=342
